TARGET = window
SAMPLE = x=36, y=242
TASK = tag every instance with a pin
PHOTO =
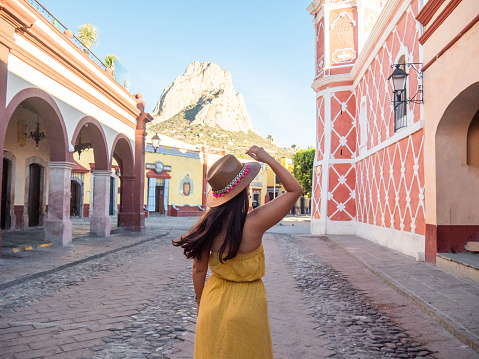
x=363, y=125
x=400, y=104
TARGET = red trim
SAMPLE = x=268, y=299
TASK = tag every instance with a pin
x=440, y=19
x=184, y=211
x=98, y=140
x=18, y=210
x=122, y=151
x=52, y=120
x=428, y=11
x=153, y=174
x=86, y=210
x=78, y=168
x=448, y=239
x=452, y=42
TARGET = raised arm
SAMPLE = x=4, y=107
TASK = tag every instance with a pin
x=266, y=216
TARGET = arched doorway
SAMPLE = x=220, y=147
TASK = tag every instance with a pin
x=122, y=153
x=457, y=176
x=35, y=176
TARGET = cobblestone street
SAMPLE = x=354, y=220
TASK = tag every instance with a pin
x=139, y=303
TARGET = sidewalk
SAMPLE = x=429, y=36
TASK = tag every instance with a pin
x=20, y=266
x=451, y=300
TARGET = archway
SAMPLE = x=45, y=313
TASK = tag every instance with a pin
x=457, y=208
x=122, y=153
x=35, y=125
x=88, y=135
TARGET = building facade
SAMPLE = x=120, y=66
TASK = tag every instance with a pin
x=383, y=167
x=57, y=99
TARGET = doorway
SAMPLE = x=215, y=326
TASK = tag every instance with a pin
x=160, y=199
x=75, y=199
x=34, y=195
x=6, y=185
x=112, y=196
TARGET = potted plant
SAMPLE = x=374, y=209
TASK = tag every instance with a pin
x=110, y=63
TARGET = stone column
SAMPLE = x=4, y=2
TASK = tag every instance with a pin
x=58, y=226
x=100, y=221
x=126, y=216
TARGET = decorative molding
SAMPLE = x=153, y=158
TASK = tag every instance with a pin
x=334, y=89
x=428, y=11
x=440, y=19
x=342, y=14
x=378, y=36
x=452, y=42
x=326, y=80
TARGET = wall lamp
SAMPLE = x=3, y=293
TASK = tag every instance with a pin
x=155, y=141
x=398, y=83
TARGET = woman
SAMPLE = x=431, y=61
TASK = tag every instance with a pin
x=233, y=319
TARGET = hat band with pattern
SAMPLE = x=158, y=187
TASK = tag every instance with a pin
x=234, y=182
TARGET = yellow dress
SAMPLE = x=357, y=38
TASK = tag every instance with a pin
x=233, y=318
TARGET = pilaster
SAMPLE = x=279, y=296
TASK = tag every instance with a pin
x=100, y=222
x=58, y=226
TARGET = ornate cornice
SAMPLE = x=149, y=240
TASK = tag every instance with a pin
x=428, y=11
x=385, y=24
x=327, y=80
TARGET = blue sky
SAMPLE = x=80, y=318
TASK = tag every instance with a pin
x=267, y=46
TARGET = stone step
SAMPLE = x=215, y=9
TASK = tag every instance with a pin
x=472, y=246
x=462, y=264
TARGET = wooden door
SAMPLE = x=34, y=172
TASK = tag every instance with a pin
x=5, y=200
x=160, y=199
x=34, y=193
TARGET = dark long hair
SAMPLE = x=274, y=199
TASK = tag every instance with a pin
x=200, y=238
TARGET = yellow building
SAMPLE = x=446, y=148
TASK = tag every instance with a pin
x=174, y=179
x=275, y=188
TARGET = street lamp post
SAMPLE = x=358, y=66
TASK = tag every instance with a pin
x=155, y=141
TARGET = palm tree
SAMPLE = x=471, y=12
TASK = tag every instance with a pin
x=88, y=35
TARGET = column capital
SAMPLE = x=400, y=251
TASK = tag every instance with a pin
x=127, y=178
x=101, y=173
x=59, y=164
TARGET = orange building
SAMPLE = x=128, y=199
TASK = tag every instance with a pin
x=57, y=99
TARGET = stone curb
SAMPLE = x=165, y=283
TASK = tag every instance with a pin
x=455, y=328
x=28, y=277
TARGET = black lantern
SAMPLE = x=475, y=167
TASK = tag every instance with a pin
x=398, y=79
x=81, y=147
x=37, y=135
x=155, y=141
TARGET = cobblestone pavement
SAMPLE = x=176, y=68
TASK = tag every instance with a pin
x=138, y=303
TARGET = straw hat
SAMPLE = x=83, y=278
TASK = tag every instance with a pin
x=227, y=178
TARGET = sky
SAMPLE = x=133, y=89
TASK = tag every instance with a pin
x=267, y=46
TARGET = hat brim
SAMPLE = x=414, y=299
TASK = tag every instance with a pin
x=211, y=201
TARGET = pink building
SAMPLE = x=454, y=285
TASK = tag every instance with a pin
x=378, y=169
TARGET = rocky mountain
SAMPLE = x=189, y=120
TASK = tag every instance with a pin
x=204, y=94
x=202, y=107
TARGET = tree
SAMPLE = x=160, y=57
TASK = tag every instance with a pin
x=88, y=35
x=303, y=169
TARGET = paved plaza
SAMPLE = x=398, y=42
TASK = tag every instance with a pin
x=131, y=296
